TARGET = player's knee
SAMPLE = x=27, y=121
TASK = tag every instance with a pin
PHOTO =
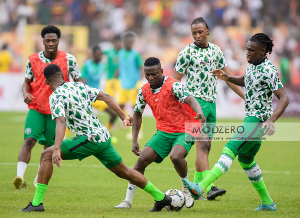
x=176, y=158
x=141, y=163
x=46, y=155
x=204, y=146
x=29, y=142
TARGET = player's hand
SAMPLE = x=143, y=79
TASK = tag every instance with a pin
x=27, y=98
x=56, y=158
x=270, y=127
x=201, y=117
x=220, y=74
x=128, y=120
x=136, y=148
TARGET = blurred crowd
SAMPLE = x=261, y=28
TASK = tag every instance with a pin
x=162, y=27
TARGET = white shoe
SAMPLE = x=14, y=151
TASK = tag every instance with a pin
x=18, y=182
x=35, y=182
x=189, y=200
x=124, y=205
x=202, y=198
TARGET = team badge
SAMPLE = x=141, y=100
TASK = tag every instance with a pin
x=28, y=131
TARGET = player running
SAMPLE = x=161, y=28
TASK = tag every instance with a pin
x=91, y=73
x=71, y=106
x=261, y=80
x=196, y=61
x=172, y=106
x=39, y=125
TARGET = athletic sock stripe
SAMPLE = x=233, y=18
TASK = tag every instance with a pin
x=79, y=145
x=251, y=134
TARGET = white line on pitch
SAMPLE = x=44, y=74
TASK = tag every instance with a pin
x=148, y=168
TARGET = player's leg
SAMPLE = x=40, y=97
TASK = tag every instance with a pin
x=203, y=148
x=49, y=134
x=46, y=170
x=177, y=155
x=148, y=155
x=34, y=126
x=139, y=180
x=156, y=149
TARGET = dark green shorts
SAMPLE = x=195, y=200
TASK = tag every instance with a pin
x=40, y=127
x=247, y=140
x=209, y=111
x=80, y=147
x=163, y=142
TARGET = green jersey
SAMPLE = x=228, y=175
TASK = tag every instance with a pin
x=73, y=101
x=260, y=83
x=112, y=62
x=197, y=63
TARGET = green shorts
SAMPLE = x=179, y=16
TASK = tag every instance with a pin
x=80, y=147
x=210, y=113
x=247, y=140
x=163, y=142
x=41, y=127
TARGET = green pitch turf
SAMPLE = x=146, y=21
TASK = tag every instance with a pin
x=87, y=189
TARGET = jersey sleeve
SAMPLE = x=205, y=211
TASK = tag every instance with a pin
x=273, y=81
x=28, y=70
x=183, y=61
x=92, y=92
x=140, y=102
x=84, y=71
x=221, y=59
x=57, y=106
x=179, y=91
x=73, y=69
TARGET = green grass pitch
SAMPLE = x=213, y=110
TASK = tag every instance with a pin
x=87, y=189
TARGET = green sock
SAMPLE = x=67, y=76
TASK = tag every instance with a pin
x=197, y=177
x=205, y=174
x=39, y=194
x=213, y=175
x=152, y=190
x=263, y=193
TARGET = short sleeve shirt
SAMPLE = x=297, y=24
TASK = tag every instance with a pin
x=197, y=63
x=72, y=100
x=179, y=91
x=260, y=83
x=73, y=69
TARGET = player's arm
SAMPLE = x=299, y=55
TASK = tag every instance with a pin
x=238, y=90
x=73, y=69
x=177, y=75
x=59, y=137
x=26, y=85
x=190, y=100
x=136, y=126
x=220, y=74
x=280, y=108
x=112, y=104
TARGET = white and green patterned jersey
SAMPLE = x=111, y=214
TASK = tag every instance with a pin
x=72, y=100
x=260, y=83
x=73, y=69
x=197, y=63
x=179, y=91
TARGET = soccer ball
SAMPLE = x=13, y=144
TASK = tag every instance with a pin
x=177, y=200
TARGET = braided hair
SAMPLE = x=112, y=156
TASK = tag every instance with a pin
x=199, y=20
x=263, y=39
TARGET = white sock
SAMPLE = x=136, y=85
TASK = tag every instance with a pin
x=37, y=173
x=130, y=192
x=181, y=179
x=21, y=168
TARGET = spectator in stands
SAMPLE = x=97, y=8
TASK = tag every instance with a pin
x=5, y=59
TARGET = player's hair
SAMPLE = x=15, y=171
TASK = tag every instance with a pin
x=51, y=70
x=264, y=40
x=50, y=29
x=199, y=20
x=152, y=61
x=96, y=48
x=128, y=35
x=117, y=37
